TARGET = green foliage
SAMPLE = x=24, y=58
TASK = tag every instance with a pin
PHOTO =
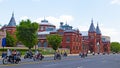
x=54, y=41
x=115, y=47
x=27, y=33
x=23, y=51
x=10, y=40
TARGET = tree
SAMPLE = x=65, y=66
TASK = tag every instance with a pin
x=27, y=33
x=54, y=41
x=115, y=47
x=10, y=40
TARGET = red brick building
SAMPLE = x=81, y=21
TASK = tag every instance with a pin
x=77, y=41
x=93, y=40
x=84, y=41
x=11, y=27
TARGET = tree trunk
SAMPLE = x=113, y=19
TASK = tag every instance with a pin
x=29, y=48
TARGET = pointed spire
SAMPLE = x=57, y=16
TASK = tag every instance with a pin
x=92, y=20
x=12, y=22
x=98, y=31
x=44, y=17
x=45, y=21
x=92, y=28
x=12, y=14
x=66, y=22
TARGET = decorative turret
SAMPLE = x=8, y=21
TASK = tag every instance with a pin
x=98, y=31
x=99, y=40
x=44, y=21
x=12, y=22
x=92, y=28
x=92, y=37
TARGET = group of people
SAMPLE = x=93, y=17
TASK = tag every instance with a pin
x=29, y=54
x=57, y=55
x=12, y=56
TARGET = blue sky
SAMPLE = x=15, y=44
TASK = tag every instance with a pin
x=77, y=13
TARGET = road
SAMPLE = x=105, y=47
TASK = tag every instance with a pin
x=97, y=61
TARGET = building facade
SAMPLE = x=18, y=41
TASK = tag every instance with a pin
x=74, y=39
x=93, y=41
x=77, y=41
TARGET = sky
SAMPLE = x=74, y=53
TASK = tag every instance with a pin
x=76, y=13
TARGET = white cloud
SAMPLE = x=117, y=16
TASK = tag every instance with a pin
x=115, y=2
x=24, y=18
x=56, y=20
x=112, y=32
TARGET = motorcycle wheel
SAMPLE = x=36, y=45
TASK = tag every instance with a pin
x=59, y=58
x=54, y=57
x=25, y=57
x=16, y=62
x=5, y=61
x=34, y=58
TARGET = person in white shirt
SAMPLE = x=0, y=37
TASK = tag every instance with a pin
x=9, y=52
x=36, y=52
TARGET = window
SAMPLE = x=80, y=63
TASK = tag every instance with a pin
x=61, y=33
x=42, y=28
x=68, y=39
x=92, y=37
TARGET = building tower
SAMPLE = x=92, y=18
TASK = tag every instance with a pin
x=92, y=38
x=11, y=27
x=99, y=40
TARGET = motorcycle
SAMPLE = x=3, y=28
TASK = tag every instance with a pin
x=10, y=59
x=65, y=54
x=38, y=57
x=28, y=55
x=57, y=56
x=83, y=55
